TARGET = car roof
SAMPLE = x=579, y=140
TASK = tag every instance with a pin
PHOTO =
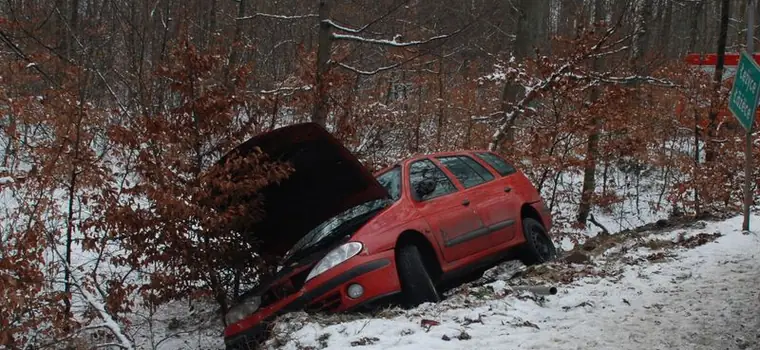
x=428, y=155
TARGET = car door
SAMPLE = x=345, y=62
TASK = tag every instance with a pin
x=445, y=209
x=491, y=198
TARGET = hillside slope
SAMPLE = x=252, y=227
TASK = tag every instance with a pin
x=693, y=287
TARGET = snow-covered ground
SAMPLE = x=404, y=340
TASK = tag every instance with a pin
x=643, y=293
x=630, y=297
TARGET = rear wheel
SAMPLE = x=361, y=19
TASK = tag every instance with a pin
x=538, y=247
x=417, y=286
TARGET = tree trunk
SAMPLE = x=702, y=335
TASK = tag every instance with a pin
x=441, y=116
x=69, y=241
x=592, y=144
x=715, y=105
x=236, y=44
x=694, y=33
x=418, y=117
x=531, y=30
x=697, y=9
x=666, y=45
x=640, y=34
x=211, y=28
x=568, y=14
x=73, y=177
x=323, y=56
x=74, y=25
x=738, y=43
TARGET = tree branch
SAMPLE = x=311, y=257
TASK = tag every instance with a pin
x=106, y=345
x=100, y=308
x=283, y=17
x=610, y=52
x=367, y=72
x=596, y=78
x=289, y=89
x=637, y=79
x=394, y=42
x=344, y=28
x=4, y=38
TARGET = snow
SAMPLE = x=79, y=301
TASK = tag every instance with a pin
x=700, y=298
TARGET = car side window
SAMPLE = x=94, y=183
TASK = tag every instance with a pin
x=426, y=169
x=501, y=166
x=391, y=180
x=467, y=170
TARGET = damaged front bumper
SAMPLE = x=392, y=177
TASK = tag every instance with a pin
x=375, y=273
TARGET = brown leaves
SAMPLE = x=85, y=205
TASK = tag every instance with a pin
x=191, y=236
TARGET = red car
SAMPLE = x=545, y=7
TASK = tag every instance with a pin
x=349, y=238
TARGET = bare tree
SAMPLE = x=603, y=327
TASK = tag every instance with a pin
x=715, y=102
x=592, y=145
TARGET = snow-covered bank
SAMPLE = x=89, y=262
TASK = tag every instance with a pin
x=702, y=297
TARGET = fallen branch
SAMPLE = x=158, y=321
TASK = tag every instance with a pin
x=592, y=219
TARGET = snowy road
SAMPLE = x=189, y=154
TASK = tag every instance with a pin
x=699, y=298
x=707, y=298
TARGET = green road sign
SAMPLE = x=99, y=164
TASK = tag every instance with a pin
x=745, y=92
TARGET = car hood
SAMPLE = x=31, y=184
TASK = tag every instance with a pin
x=326, y=180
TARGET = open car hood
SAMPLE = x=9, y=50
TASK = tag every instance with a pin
x=327, y=180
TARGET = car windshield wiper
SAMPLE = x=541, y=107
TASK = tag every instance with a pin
x=329, y=238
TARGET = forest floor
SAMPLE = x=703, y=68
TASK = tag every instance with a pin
x=691, y=286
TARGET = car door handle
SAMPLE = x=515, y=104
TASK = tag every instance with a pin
x=466, y=202
x=507, y=189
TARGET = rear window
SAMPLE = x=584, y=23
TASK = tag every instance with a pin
x=469, y=172
x=500, y=165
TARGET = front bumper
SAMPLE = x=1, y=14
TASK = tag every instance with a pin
x=326, y=292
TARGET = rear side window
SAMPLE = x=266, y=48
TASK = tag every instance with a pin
x=501, y=166
x=467, y=170
x=426, y=169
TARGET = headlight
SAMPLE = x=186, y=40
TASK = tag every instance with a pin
x=335, y=257
x=243, y=310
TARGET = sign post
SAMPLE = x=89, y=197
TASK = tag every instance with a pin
x=743, y=102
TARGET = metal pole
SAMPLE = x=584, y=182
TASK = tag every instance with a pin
x=748, y=147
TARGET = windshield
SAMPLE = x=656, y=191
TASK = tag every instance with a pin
x=342, y=224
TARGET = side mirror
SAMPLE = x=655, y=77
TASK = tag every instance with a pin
x=425, y=187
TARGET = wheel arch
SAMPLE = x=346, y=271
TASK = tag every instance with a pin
x=527, y=211
x=426, y=248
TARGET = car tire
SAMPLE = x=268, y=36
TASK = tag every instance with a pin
x=417, y=286
x=538, y=247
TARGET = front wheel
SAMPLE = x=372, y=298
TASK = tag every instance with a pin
x=538, y=247
x=416, y=285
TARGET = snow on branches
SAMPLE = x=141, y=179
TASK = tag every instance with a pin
x=563, y=70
